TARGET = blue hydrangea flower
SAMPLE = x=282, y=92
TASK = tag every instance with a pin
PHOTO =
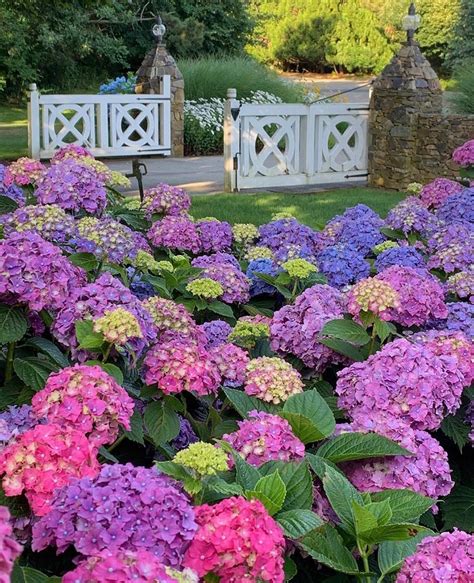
x=359, y=227
x=404, y=256
x=342, y=265
x=257, y=285
x=14, y=192
x=458, y=207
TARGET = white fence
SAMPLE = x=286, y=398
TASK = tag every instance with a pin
x=108, y=125
x=293, y=144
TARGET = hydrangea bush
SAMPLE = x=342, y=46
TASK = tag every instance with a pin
x=187, y=400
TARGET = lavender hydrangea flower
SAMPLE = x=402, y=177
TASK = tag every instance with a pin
x=215, y=235
x=257, y=285
x=12, y=191
x=342, y=265
x=165, y=199
x=51, y=222
x=176, y=233
x=462, y=284
x=460, y=317
x=14, y=421
x=433, y=194
x=234, y=282
x=124, y=507
x=73, y=187
x=216, y=333
x=405, y=256
x=458, y=207
x=292, y=251
x=409, y=216
x=451, y=247
x=186, y=435
x=282, y=232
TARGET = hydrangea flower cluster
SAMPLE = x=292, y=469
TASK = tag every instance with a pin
x=168, y=315
x=165, y=199
x=358, y=228
x=70, y=151
x=238, y=541
x=409, y=216
x=205, y=287
x=73, y=187
x=122, y=567
x=264, y=437
x=215, y=236
x=124, y=508
x=342, y=265
x=234, y=282
x=44, y=459
x=258, y=252
x=460, y=317
x=231, y=362
x=247, y=333
x=405, y=256
x=458, y=207
x=421, y=296
x=9, y=548
x=272, y=379
x=372, y=295
x=118, y=326
x=464, y=155
x=144, y=261
x=292, y=251
x=295, y=328
x=299, y=268
x=445, y=558
x=216, y=333
x=23, y=171
x=414, y=188
x=186, y=435
x=405, y=383
x=244, y=233
x=284, y=232
x=181, y=365
x=266, y=267
x=453, y=256
x=49, y=221
x=175, y=232
x=204, y=459
x=433, y=194
x=34, y=272
x=385, y=246
x=91, y=302
x=14, y=421
x=462, y=284
x=11, y=191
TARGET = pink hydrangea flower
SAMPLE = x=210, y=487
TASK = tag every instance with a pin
x=176, y=233
x=9, y=548
x=272, y=379
x=372, y=295
x=44, y=459
x=165, y=199
x=404, y=381
x=464, y=155
x=421, y=296
x=432, y=195
x=23, y=171
x=169, y=316
x=238, y=541
x=70, y=151
x=231, y=361
x=85, y=398
x=265, y=437
x=446, y=558
x=181, y=365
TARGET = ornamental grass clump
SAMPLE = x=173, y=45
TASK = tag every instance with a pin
x=123, y=508
x=238, y=541
x=85, y=398
x=272, y=380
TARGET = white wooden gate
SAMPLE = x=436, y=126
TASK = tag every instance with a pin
x=293, y=144
x=108, y=125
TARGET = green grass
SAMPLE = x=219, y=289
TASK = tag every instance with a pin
x=312, y=209
x=208, y=77
x=13, y=132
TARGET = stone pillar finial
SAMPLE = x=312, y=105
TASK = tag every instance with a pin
x=410, y=23
x=158, y=30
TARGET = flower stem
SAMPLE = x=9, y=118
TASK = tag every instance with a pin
x=107, y=353
x=9, y=364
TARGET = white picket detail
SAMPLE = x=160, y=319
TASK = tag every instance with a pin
x=293, y=144
x=108, y=125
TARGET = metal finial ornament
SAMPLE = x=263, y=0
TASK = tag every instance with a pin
x=411, y=23
x=158, y=30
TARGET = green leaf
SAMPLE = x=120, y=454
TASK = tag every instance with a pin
x=221, y=309
x=309, y=416
x=344, y=348
x=326, y=546
x=298, y=482
x=34, y=371
x=297, y=523
x=13, y=324
x=319, y=465
x=453, y=426
x=7, y=205
x=356, y=446
x=222, y=487
x=17, y=505
x=243, y=404
x=105, y=453
x=246, y=475
x=109, y=368
x=87, y=261
x=162, y=424
x=29, y=575
x=346, y=330
x=391, y=554
x=49, y=349
x=10, y=393
x=87, y=338
x=364, y=520
x=391, y=532
x=407, y=506
x=273, y=490
x=383, y=329
x=341, y=494
x=136, y=433
x=392, y=233
x=458, y=509
x=290, y=569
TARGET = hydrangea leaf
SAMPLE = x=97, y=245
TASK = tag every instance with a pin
x=290, y=569
x=221, y=309
x=309, y=416
x=298, y=523
x=87, y=261
x=29, y=575
x=7, y=205
x=49, y=349
x=243, y=403
x=453, y=426
x=298, y=482
x=344, y=348
x=391, y=554
x=13, y=324
x=273, y=490
x=326, y=546
x=341, y=494
x=87, y=338
x=34, y=371
x=162, y=423
x=391, y=532
x=356, y=446
x=458, y=509
x=346, y=330
x=136, y=432
x=406, y=505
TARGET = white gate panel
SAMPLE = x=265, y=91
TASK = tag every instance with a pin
x=108, y=125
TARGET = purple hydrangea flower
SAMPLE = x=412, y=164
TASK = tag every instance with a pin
x=124, y=507
x=186, y=435
x=165, y=199
x=404, y=256
x=359, y=228
x=282, y=232
x=257, y=285
x=215, y=235
x=462, y=284
x=460, y=317
x=458, y=207
x=175, y=233
x=14, y=421
x=342, y=265
x=292, y=251
x=14, y=192
x=234, y=282
x=409, y=216
x=51, y=222
x=433, y=194
x=231, y=361
x=295, y=328
x=73, y=187
x=216, y=333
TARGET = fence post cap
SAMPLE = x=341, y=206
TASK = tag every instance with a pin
x=32, y=87
x=231, y=93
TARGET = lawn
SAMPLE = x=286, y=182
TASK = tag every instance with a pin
x=13, y=132
x=312, y=209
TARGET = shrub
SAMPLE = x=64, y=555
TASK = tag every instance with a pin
x=464, y=96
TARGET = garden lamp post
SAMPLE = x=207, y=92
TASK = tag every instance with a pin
x=158, y=30
x=411, y=23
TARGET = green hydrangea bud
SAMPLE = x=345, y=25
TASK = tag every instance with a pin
x=165, y=266
x=146, y=262
x=120, y=180
x=205, y=288
x=299, y=268
x=244, y=233
x=132, y=203
x=185, y=576
x=203, y=458
x=414, y=187
x=118, y=326
x=381, y=247
x=282, y=215
x=246, y=334
x=258, y=253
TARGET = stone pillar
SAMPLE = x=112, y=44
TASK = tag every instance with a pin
x=159, y=62
x=406, y=88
